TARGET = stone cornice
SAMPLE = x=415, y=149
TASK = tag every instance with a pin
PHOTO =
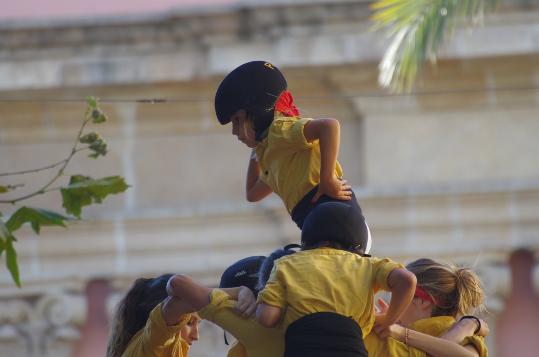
x=182, y=46
x=185, y=25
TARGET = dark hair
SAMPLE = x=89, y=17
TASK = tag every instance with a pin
x=133, y=311
x=267, y=264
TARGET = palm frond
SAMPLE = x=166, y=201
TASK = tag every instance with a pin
x=417, y=29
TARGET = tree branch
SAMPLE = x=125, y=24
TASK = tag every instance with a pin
x=60, y=172
x=51, y=166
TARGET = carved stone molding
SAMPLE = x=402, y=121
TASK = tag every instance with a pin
x=41, y=325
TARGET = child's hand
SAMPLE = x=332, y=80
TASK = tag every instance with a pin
x=333, y=188
x=396, y=331
x=379, y=318
x=484, y=329
x=246, y=304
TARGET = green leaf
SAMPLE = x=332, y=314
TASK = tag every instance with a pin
x=4, y=234
x=89, y=138
x=11, y=261
x=4, y=189
x=7, y=240
x=83, y=191
x=98, y=148
x=92, y=101
x=93, y=111
x=37, y=217
x=78, y=178
x=98, y=116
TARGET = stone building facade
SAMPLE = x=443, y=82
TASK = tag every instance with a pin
x=450, y=172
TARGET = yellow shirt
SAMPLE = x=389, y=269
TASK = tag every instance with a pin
x=379, y=347
x=437, y=326
x=254, y=339
x=434, y=326
x=327, y=280
x=157, y=339
x=289, y=164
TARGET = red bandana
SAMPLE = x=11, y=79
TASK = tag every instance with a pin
x=422, y=294
x=285, y=105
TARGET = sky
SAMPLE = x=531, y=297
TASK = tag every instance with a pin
x=62, y=9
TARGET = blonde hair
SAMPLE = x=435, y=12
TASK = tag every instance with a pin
x=456, y=291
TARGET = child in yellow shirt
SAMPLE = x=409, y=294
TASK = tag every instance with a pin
x=220, y=306
x=149, y=322
x=323, y=295
x=294, y=157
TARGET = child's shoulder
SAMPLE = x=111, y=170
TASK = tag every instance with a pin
x=289, y=258
x=328, y=252
x=281, y=121
x=292, y=259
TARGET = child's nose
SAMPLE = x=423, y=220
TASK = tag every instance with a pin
x=194, y=333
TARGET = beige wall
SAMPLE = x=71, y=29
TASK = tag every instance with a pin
x=450, y=173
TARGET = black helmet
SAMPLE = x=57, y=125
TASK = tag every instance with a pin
x=244, y=272
x=254, y=86
x=336, y=222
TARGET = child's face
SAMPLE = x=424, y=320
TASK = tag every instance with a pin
x=417, y=310
x=189, y=332
x=242, y=127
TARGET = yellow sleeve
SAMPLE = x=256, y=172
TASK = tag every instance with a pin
x=397, y=348
x=434, y=326
x=237, y=350
x=218, y=300
x=287, y=133
x=274, y=291
x=378, y=347
x=479, y=344
x=157, y=335
x=221, y=312
x=381, y=268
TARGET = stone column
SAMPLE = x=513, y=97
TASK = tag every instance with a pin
x=94, y=332
x=518, y=324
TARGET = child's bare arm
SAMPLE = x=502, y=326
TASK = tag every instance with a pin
x=464, y=328
x=267, y=315
x=173, y=309
x=402, y=284
x=179, y=303
x=433, y=346
x=185, y=288
x=255, y=189
x=327, y=131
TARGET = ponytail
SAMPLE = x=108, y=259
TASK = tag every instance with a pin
x=470, y=292
x=455, y=291
x=267, y=265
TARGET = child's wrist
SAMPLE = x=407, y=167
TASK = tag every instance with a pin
x=472, y=323
x=398, y=332
x=326, y=177
x=406, y=336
